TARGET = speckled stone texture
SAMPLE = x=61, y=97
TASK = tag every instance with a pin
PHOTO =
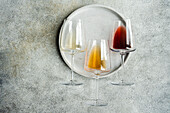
x=31, y=67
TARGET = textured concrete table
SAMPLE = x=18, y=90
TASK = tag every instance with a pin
x=31, y=67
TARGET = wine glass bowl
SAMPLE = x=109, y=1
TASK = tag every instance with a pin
x=96, y=60
x=121, y=39
x=73, y=37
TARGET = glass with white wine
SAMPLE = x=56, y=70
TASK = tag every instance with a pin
x=73, y=41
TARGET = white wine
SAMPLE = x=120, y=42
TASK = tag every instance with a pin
x=70, y=42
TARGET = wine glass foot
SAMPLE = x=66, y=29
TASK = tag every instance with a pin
x=122, y=83
x=97, y=103
x=72, y=83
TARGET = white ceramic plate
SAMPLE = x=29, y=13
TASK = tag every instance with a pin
x=97, y=20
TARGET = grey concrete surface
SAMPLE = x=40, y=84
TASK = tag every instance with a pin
x=31, y=67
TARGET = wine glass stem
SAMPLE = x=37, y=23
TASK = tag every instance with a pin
x=72, y=65
x=97, y=88
x=122, y=63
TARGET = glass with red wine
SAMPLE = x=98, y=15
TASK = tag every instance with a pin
x=121, y=41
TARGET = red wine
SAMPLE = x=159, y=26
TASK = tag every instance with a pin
x=119, y=39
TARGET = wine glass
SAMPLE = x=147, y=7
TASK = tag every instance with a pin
x=73, y=41
x=97, y=61
x=121, y=41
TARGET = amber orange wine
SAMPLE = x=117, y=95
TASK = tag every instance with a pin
x=95, y=61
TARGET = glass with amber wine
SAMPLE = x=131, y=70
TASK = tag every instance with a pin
x=73, y=41
x=97, y=61
x=121, y=41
